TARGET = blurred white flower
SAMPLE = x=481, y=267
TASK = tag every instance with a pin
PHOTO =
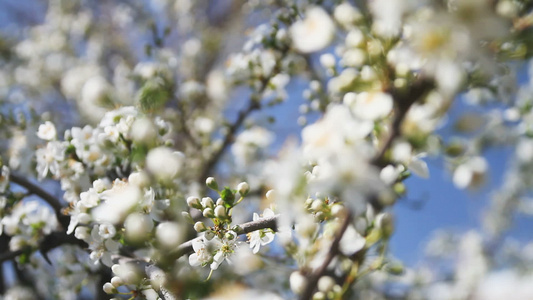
x=351, y=241
x=164, y=163
x=169, y=234
x=471, y=173
x=369, y=105
x=47, y=131
x=315, y=32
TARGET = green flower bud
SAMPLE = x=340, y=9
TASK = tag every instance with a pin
x=208, y=213
x=194, y=202
x=243, y=188
x=200, y=227
x=220, y=211
x=211, y=183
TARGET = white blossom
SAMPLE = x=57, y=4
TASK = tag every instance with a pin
x=47, y=131
x=314, y=32
x=261, y=237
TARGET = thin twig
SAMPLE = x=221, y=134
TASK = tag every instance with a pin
x=403, y=101
x=312, y=280
x=271, y=223
x=41, y=193
x=51, y=241
x=253, y=105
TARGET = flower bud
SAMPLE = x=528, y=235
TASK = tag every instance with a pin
x=325, y=284
x=169, y=234
x=220, y=211
x=317, y=205
x=194, y=202
x=243, y=188
x=109, y=288
x=117, y=281
x=270, y=195
x=220, y=201
x=394, y=268
x=208, y=213
x=82, y=233
x=319, y=296
x=138, y=227
x=385, y=222
x=338, y=210
x=320, y=216
x=211, y=183
x=207, y=202
x=230, y=235
x=297, y=282
x=199, y=227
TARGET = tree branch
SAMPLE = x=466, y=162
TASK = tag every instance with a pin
x=41, y=193
x=312, y=280
x=271, y=223
x=403, y=101
x=51, y=241
x=254, y=104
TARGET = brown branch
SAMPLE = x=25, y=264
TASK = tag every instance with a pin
x=403, y=101
x=313, y=278
x=41, y=193
x=254, y=105
x=271, y=223
x=51, y=241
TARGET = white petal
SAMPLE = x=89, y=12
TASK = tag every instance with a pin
x=419, y=167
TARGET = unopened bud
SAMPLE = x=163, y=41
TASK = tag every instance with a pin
x=207, y=202
x=208, y=213
x=320, y=216
x=109, y=288
x=270, y=195
x=385, y=222
x=230, y=235
x=326, y=283
x=394, y=268
x=220, y=201
x=243, y=188
x=117, y=281
x=319, y=296
x=317, y=205
x=200, y=227
x=338, y=210
x=297, y=282
x=194, y=202
x=220, y=211
x=211, y=183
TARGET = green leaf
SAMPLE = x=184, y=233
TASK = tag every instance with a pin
x=228, y=196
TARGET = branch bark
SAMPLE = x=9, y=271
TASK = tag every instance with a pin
x=51, y=241
x=313, y=278
x=41, y=193
x=271, y=223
